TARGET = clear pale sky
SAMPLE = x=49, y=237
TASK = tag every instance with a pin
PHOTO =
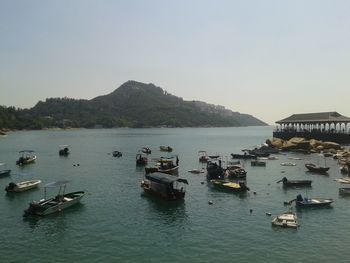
x=266, y=58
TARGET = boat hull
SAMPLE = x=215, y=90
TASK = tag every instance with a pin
x=24, y=161
x=4, y=173
x=50, y=206
x=301, y=183
x=22, y=186
x=316, y=169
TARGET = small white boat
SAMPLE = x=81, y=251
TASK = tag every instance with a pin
x=287, y=219
x=343, y=180
x=55, y=204
x=288, y=164
x=22, y=186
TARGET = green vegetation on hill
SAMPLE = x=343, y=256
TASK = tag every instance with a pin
x=133, y=104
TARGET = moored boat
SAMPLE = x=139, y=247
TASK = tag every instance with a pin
x=312, y=202
x=288, y=164
x=203, y=156
x=4, y=172
x=22, y=186
x=165, y=165
x=165, y=186
x=55, y=204
x=258, y=163
x=287, y=219
x=228, y=185
x=26, y=157
x=63, y=150
x=344, y=191
x=295, y=183
x=146, y=150
x=243, y=156
x=316, y=168
x=235, y=172
x=117, y=154
x=141, y=159
x=165, y=148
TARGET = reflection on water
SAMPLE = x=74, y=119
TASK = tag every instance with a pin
x=55, y=222
x=169, y=211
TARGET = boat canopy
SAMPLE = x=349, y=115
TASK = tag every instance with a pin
x=164, y=178
x=26, y=151
x=55, y=184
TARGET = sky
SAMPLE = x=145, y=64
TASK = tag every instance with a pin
x=267, y=58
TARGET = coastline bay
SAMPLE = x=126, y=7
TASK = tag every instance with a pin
x=116, y=222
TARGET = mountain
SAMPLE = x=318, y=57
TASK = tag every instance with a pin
x=133, y=104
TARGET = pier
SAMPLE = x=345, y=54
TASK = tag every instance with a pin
x=324, y=126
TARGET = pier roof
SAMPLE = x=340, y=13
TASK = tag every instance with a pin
x=320, y=117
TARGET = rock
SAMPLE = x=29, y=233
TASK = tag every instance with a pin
x=275, y=142
x=331, y=145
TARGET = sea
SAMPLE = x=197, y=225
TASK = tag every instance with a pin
x=116, y=222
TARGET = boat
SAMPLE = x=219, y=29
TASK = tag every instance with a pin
x=164, y=186
x=146, y=150
x=344, y=191
x=343, y=180
x=287, y=219
x=243, y=156
x=288, y=164
x=22, y=186
x=64, y=150
x=257, y=163
x=295, y=183
x=116, y=153
x=311, y=202
x=215, y=169
x=235, y=172
x=316, y=169
x=165, y=165
x=228, y=185
x=203, y=156
x=165, y=149
x=141, y=159
x=4, y=172
x=26, y=157
x=55, y=204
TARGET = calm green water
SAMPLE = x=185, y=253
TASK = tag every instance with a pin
x=116, y=223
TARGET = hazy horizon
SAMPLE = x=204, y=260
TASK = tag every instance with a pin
x=269, y=59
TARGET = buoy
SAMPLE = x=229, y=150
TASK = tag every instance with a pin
x=254, y=193
x=210, y=202
x=268, y=214
x=78, y=164
x=251, y=210
x=202, y=182
x=268, y=184
x=283, y=172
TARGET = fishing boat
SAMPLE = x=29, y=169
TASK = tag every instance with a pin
x=203, y=156
x=117, y=154
x=231, y=186
x=258, y=163
x=165, y=149
x=146, y=150
x=63, y=150
x=316, y=168
x=344, y=191
x=26, y=157
x=295, y=183
x=55, y=204
x=4, y=172
x=165, y=165
x=164, y=186
x=141, y=159
x=215, y=169
x=287, y=219
x=311, y=202
x=243, y=156
x=22, y=186
x=235, y=172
